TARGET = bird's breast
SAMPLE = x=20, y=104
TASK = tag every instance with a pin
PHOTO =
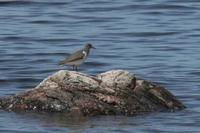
x=85, y=54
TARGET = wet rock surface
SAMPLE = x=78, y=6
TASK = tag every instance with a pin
x=115, y=92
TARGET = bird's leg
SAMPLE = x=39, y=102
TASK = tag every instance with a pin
x=76, y=68
x=72, y=67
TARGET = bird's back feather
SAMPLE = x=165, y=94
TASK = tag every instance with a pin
x=73, y=57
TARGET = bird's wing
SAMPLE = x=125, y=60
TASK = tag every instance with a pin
x=75, y=56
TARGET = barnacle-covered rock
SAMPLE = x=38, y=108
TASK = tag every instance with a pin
x=115, y=92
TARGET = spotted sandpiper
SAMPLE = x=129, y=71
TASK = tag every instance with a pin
x=77, y=58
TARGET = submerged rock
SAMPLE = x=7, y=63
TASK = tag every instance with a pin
x=113, y=92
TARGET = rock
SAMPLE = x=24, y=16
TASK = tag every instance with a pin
x=115, y=92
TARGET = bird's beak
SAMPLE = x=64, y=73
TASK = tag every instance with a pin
x=93, y=47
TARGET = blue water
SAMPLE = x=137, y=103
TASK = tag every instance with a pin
x=158, y=40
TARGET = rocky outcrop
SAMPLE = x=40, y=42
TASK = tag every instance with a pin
x=113, y=92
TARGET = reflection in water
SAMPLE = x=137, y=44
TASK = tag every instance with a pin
x=64, y=120
x=76, y=123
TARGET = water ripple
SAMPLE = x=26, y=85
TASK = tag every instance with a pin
x=157, y=40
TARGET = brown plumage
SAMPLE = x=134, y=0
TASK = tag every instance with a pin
x=77, y=58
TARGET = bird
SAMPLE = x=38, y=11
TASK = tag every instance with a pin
x=77, y=58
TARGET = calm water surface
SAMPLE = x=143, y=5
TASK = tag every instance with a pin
x=158, y=40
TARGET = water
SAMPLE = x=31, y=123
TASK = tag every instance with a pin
x=158, y=40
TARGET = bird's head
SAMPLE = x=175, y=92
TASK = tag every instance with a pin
x=89, y=46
